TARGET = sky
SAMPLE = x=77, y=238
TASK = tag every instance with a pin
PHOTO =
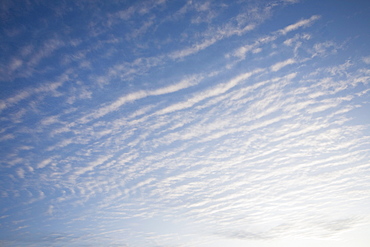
x=159, y=123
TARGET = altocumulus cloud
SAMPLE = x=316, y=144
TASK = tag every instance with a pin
x=184, y=123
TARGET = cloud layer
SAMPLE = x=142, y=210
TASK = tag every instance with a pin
x=179, y=124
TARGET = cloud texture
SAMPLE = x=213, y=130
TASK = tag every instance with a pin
x=161, y=123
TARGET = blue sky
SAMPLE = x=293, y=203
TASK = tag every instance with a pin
x=185, y=123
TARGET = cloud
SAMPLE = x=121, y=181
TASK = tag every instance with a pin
x=229, y=29
x=194, y=49
x=220, y=34
x=299, y=24
x=140, y=9
x=46, y=50
x=323, y=49
x=34, y=199
x=46, y=88
x=280, y=65
x=90, y=166
x=44, y=163
x=296, y=38
x=243, y=50
x=7, y=137
x=220, y=89
x=61, y=144
x=50, y=120
x=366, y=60
x=188, y=82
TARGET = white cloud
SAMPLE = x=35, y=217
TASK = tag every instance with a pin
x=50, y=120
x=296, y=38
x=188, y=82
x=220, y=34
x=220, y=89
x=90, y=166
x=257, y=50
x=325, y=48
x=61, y=144
x=243, y=50
x=302, y=23
x=280, y=65
x=44, y=163
x=194, y=49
